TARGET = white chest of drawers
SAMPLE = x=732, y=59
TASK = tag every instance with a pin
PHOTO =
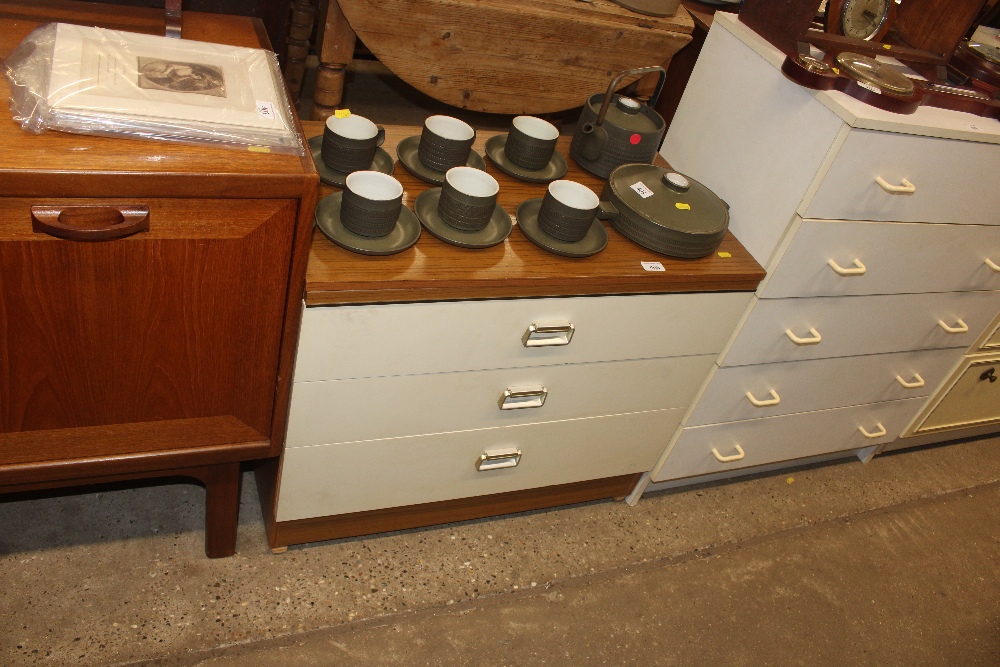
x=881, y=237
x=443, y=384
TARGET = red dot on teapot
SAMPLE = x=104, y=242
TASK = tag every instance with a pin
x=635, y=139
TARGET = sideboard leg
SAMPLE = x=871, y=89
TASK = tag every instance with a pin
x=222, y=508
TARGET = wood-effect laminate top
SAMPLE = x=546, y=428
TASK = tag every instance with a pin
x=433, y=270
x=72, y=165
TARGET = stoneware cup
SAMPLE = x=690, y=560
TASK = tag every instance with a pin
x=468, y=198
x=531, y=142
x=445, y=143
x=568, y=209
x=349, y=143
x=371, y=203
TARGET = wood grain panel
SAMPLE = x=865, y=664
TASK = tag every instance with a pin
x=433, y=270
x=533, y=56
x=82, y=166
x=171, y=325
x=70, y=453
x=463, y=509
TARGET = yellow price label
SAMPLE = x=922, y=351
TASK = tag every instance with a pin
x=725, y=254
x=342, y=113
x=835, y=70
x=887, y=47
x=682, y=206
x=258, y=149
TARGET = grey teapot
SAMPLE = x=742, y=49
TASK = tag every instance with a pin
x=614, y=129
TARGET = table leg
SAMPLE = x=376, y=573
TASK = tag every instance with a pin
x=222, y=508
x=336, y=50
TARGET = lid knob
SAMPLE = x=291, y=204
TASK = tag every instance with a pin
x=676, y=182
x=628, y=105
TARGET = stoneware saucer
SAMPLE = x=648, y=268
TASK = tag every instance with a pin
x=592, y=243
x=404, y=234
x=495, y=231
x=407, y=152
x=554, y=170
x=382, y=162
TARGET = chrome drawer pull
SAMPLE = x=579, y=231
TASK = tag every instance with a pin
x=815, y=340
x=546, y=335
x=767, y=402
x=858, y=270
x=495, y=459
x=515, y=398
x=959, y=328
x=906, y=188
x=877, y=434
x=733, y=457
x=916, y=383
x=993, y=265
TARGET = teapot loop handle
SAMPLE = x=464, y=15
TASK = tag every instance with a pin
x=618, y=79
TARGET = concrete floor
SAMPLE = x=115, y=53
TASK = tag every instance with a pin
x=893, y=562
x=890, y=563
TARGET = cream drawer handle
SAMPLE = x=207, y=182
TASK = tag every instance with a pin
x=914, y=384
x=959, y=328
x=726, y=459
x=815, y=340
x=906, y=188
x=993, y=265
x=877, y=434
x=767, y=402
x=858, y=270
x=496, y=459
x=516, y=398
x=548, y=335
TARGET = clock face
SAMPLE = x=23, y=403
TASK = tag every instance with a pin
x=861, y=19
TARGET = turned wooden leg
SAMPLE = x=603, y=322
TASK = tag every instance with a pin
x=222, y=508
x=336, y=50
x=300, y=25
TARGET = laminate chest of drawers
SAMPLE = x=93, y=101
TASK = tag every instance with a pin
x=161, y=353
x=443, y=384
x=881, y=239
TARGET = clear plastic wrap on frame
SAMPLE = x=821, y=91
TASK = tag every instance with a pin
x=122, y=84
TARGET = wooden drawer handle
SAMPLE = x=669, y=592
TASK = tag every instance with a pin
x=496, y=459
x=993, y=265
x=877, y=434
x=517, y=398
x=959, y=328
x=906, y=188
x=915, y=383
x=814, y=340
x=858, y=270
x=89, y=223
x=548, y=335
x=767, y=402
x=732, y=457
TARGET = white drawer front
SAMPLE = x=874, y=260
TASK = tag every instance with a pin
x=954, y=181
x=885, y=258
x=335, y=411
x=784, y=438
x=338, y=479
x=856, y=325
x=406, y=339
x=820, y=384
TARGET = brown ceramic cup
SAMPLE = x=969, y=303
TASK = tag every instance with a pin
x=371, y=204
x=568, y=210
x=531, y=142
x=468, y=198
x=445, y=142
x=349, y=143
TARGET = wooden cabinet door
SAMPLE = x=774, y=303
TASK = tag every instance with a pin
x=180, y=321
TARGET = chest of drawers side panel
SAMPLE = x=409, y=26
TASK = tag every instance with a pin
x=757, y=142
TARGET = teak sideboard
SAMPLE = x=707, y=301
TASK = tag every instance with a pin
x=405, y=362
x=166, y=352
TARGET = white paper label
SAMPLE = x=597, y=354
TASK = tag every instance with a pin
x=974, y=128
x=641, y=188
x=652, y=266
x=266, y=110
